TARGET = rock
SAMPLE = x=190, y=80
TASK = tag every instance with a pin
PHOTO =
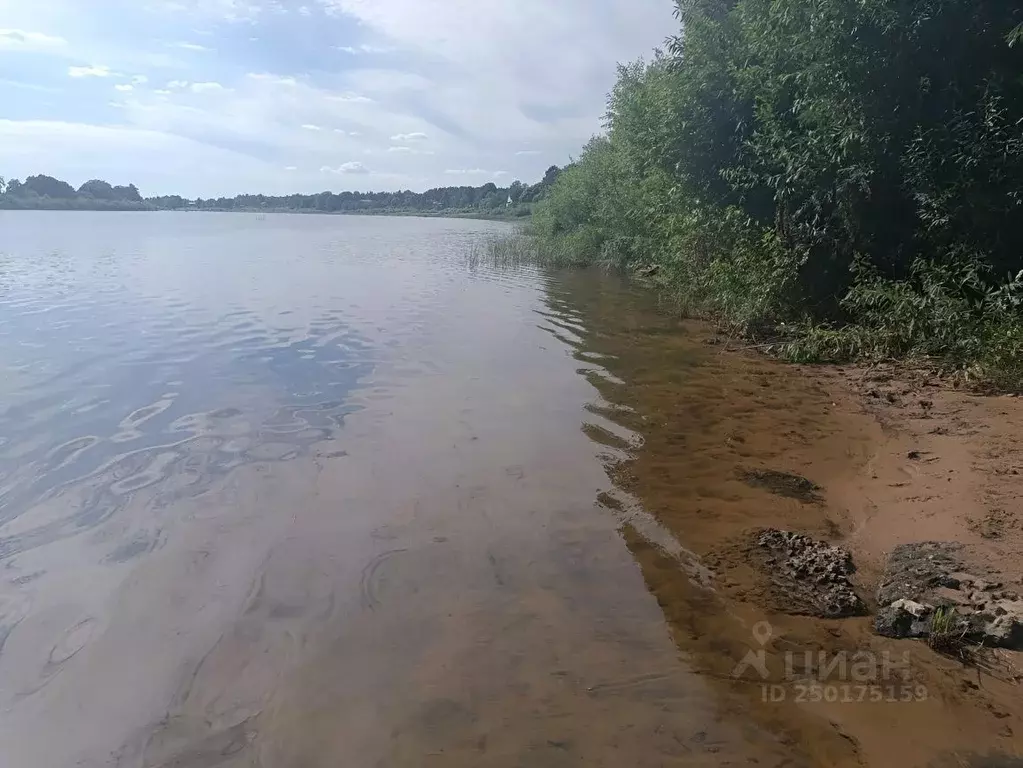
x=999, y=624
x=898, y=622
x=1006, y=631
x=914, y=570
x=917, y=610
x=918, y=576
x=949, y=581
x=987, y=586
x=783, y=484
x=809, y=576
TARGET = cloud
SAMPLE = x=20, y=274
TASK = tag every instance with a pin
x=266, y=77
x=311, y=127
x=291, y=167
x=354, y=167
x=190, y=47
x=351, y=98
x=465, y=85
x=139, y=80
x=21, y=40
x=78, y=151
x=219, y=10
x=364, y=48
x=403, y=150
x=124, y=87
x=415, y=136
x=90, y=71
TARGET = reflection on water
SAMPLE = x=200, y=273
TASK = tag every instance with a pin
x=305, y=491
x=123, y=382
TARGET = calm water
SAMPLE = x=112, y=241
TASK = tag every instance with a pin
x=307, y=491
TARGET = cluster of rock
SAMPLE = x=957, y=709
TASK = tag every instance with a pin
x=810, y=576
x=924, y=577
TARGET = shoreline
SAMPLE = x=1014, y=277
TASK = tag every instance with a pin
x=898, y=458
x=401, y=214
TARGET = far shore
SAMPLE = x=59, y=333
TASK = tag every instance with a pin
x=479, y=215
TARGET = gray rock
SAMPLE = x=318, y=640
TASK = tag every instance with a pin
x=898, y=622
x=1006, y=631
x=917, y=610
x=913, y=571
x=909, y=587
x=809, y=576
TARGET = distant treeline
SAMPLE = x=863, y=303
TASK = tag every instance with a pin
x=48, y=192
x=515, y=200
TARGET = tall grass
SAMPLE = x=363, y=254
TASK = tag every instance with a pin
x=519, y=249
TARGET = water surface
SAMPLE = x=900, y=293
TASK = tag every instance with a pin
x=307, y=491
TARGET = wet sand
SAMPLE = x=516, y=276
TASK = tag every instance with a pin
x=708, y=413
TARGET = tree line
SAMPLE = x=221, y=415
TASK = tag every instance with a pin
x=846, y=176
x=48, y=192
x=515, y=200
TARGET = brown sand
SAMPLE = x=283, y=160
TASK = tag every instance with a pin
x=709, y=412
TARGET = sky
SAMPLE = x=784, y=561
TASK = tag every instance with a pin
x=218, y=97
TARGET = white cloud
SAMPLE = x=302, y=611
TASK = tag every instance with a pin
x=414, y=136
x=487, y=64
x=139, y=80
x=219, y=10
x=90, y=71
x=124, y=87
x=77, y=152
x=190, y=46
x=470, y=80
x=403, y=150
x=364, y=48
x=265, y=77
x=354, y=167
x=351, y=98
x=475, y=172
x=22, y=40
x=291, y=167
x=311, y=127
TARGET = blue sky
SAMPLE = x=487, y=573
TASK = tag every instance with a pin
x=215, y=97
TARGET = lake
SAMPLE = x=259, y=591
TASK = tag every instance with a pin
x=311, y=491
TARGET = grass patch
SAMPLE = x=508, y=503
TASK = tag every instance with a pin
x=947, y=633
